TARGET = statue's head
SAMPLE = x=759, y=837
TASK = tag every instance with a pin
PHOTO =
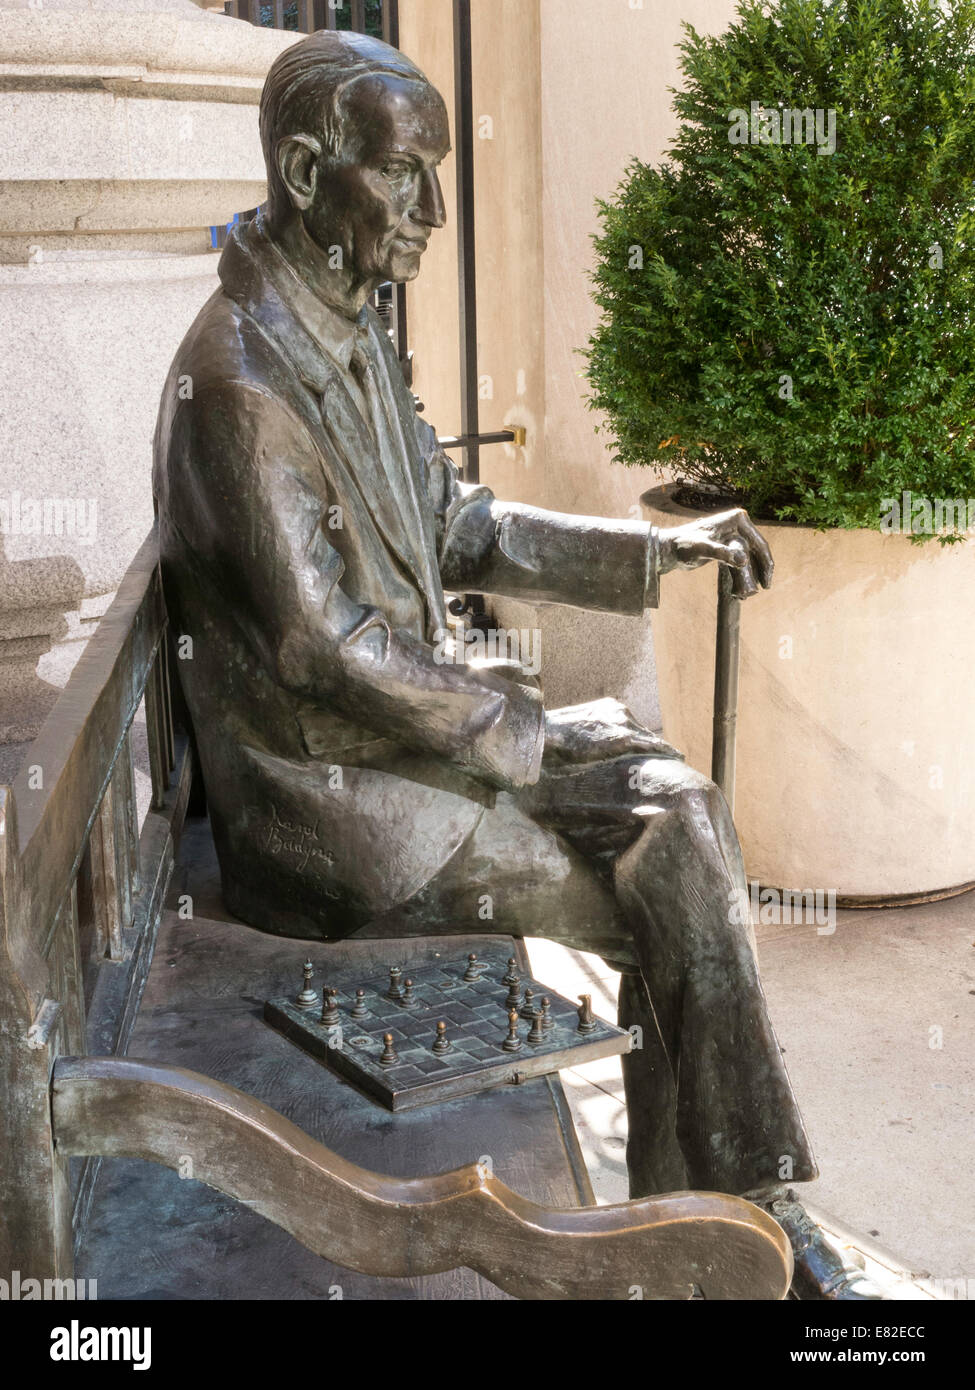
x=353, y=133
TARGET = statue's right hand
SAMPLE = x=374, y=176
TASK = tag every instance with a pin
x=598, y=730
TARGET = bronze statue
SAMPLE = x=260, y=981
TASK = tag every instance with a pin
x=357, y=780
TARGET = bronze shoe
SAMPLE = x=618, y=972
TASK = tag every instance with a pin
x=821, y=1273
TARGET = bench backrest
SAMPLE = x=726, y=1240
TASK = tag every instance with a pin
x=79, y=905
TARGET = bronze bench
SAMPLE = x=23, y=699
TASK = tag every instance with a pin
x=83, y=899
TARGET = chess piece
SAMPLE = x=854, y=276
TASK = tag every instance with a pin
x=308, y=997
x=330, y=1008
x=587, y=1019
x=513, y=1000
x=511, y=977
x=536, y=1033
x=389, y=1057
x=547, y=1020
x=441, y=1043
x=359, y=1009
x=407, y=992
x=395, y=990
x=512, y=1042
x=528, y=1007
x=473, y=971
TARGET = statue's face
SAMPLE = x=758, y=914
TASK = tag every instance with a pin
x=382, y=201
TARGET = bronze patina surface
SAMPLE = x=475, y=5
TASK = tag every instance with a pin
x=362, y=779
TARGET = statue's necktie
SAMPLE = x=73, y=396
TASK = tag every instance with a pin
x=377, y=390
x=389, y=445
x=364, y=376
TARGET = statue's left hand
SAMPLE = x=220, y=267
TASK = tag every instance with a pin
x=730, y=538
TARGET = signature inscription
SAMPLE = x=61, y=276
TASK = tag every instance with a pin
x=294, y=837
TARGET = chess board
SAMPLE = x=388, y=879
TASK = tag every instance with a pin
x=475, y=1015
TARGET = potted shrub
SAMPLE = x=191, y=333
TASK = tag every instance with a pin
x=788, y=324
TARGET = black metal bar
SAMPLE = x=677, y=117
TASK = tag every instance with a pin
x=465, y=441
x=466, y=257
x=400, y=321
x=311, y=15
x=726, y=666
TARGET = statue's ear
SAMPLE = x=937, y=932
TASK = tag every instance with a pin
x=296, y=158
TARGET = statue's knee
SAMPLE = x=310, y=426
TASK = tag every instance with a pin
x=657, y=779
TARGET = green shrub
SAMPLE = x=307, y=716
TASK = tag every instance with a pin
x=843, y=280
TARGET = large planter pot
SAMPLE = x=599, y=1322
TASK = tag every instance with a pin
x=856, y=726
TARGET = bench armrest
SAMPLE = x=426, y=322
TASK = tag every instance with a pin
x=671, y=1247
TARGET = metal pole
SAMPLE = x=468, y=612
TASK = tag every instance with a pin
x=400, y=325
x=391, y=22
x=727, y=656
x=466, y=264
x=312, y=15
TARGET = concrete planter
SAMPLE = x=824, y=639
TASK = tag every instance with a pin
x=856, y=730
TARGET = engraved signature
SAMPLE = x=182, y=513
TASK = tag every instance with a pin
x=294, y=837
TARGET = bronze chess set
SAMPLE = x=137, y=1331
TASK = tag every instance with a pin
x=448, y=1029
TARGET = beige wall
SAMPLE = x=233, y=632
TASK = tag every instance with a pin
x=508, y=237
x=574, y=89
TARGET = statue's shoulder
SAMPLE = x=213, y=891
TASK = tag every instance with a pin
x=229, y=393
x=225, y=348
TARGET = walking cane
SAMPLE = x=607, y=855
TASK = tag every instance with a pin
x=726, y=665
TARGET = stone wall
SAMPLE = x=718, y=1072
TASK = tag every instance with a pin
x=130, y=127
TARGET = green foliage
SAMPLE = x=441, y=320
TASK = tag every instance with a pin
x=763, y=262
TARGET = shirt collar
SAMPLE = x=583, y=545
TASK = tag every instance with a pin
x=330, y=332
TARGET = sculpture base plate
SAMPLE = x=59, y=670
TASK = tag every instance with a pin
x=475, y=1013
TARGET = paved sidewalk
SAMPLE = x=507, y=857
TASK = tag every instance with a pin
x=877, y=1022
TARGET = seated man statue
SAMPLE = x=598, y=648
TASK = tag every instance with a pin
x=358, y=780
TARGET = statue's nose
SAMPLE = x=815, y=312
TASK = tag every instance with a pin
x=430, y=209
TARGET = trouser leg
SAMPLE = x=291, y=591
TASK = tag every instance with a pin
x=682, y=888
x=654, y=1160
x=647, y=874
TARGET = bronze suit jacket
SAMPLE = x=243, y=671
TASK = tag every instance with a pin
x=305, y=554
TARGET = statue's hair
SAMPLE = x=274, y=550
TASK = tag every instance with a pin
x=304, y=90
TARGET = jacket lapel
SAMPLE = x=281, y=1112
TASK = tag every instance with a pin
x=402, y=521
x=355, y=440
x=401, y=413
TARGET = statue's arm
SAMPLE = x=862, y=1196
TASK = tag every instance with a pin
x=258, y=513
x=539, y=556
x=506, y=548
